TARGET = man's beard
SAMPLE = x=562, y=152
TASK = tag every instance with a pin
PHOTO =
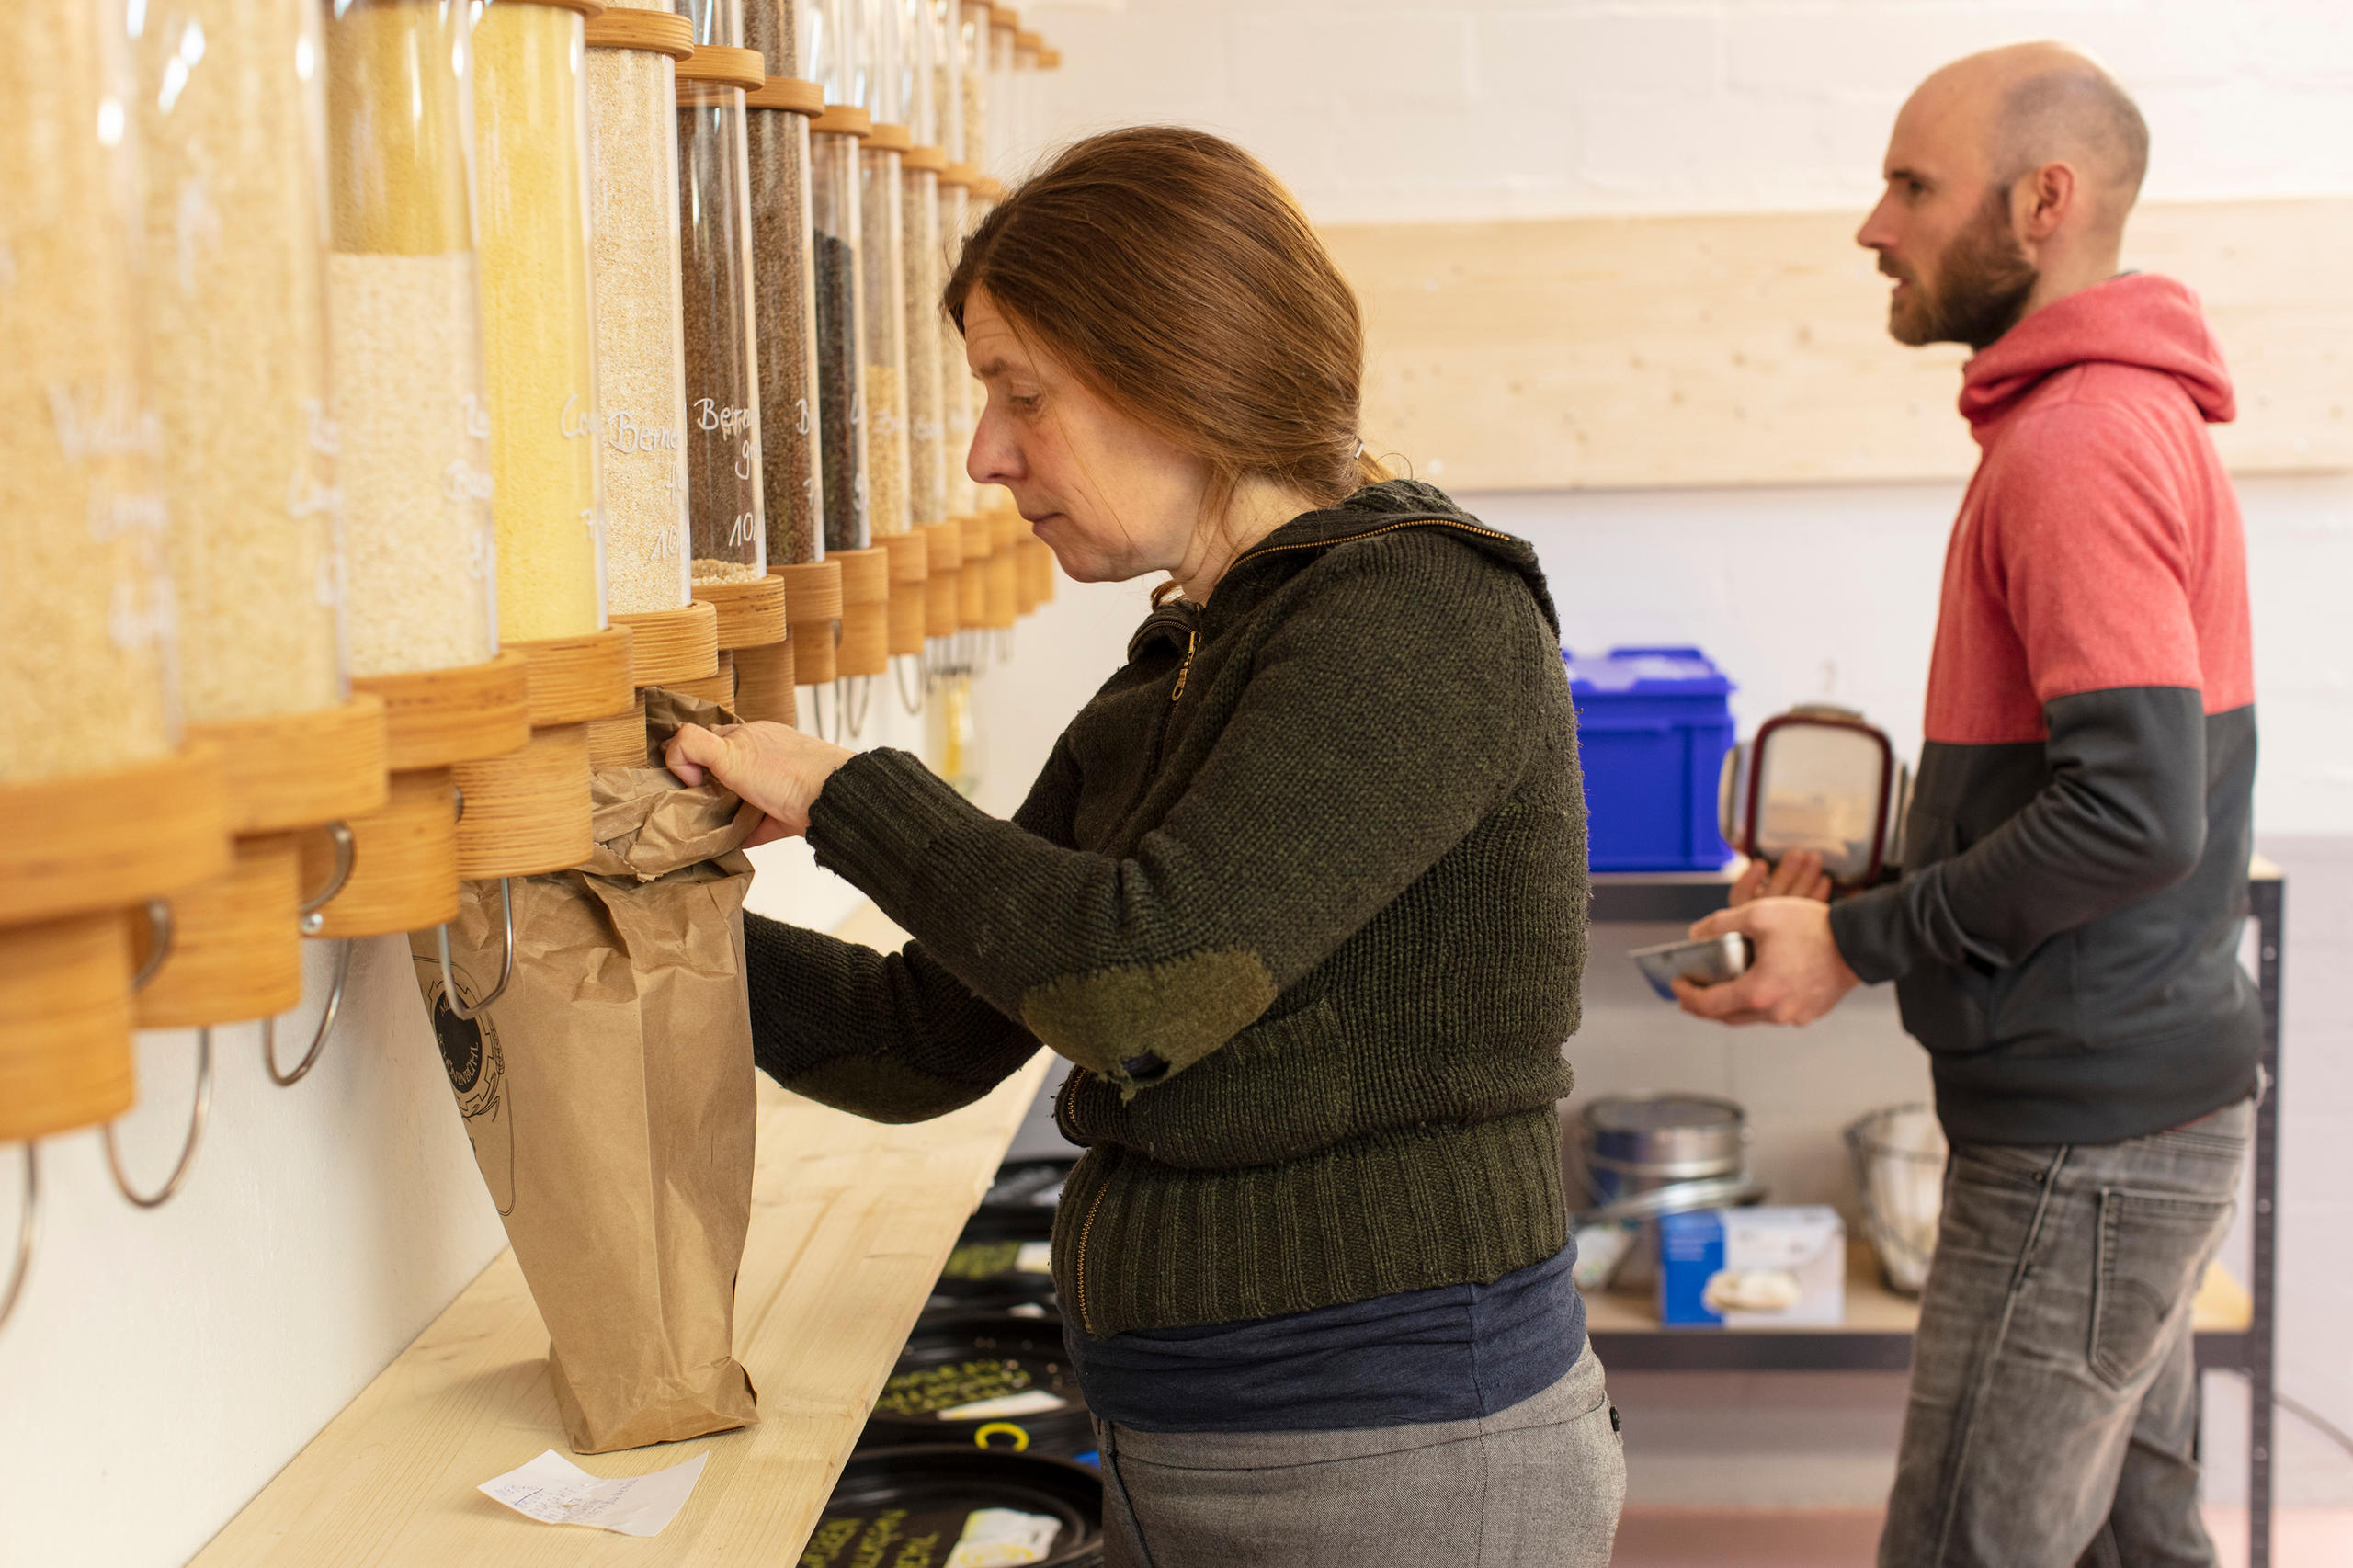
x=1983, y=281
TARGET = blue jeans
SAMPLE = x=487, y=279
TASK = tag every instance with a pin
x=2053, y=1413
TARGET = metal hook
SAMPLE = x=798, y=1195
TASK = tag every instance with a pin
x=863, y=687
x=188, y=1151
x=318, y=1039
x=505, y=964
x=311, y=920
x=914, y=705
x=160, y=928
x=27, y=1233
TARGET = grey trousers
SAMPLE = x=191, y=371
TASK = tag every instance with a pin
x=1539, y=1484
x=2053, y=1412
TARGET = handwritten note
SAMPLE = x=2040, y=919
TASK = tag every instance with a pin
x=552, y=1489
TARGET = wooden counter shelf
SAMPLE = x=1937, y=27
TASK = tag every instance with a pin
x=852, y=1224
x=1876, y=1335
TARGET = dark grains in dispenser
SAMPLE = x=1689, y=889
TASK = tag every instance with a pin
x=791, y=476
x=839, y=416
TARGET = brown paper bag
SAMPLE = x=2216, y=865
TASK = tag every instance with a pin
x=608, y=1095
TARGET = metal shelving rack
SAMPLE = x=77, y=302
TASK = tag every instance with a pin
x=1886, y=1345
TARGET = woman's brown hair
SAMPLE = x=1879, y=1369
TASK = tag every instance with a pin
x=1174, y=273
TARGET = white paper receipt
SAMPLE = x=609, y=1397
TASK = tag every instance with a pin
x=1028, y=1401
x=1004, y=1538
x=554, y=1489
x=1034, y=1257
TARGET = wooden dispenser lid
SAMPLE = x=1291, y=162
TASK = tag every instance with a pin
x=812, y=592
x=749, y=613
x=866, y=575
x=1028, y=42
x=947, y=546
x=915, y=160
x=888, y=138
x=1003, y=19
x=841, y=119
x=526, y=813
x=979, y=537
x=1002, y=602
x=433, y=718
x=720, y=66
x=864, y=648
x=570, y=680
x=291, y=770
x=964, y=174
x=1038, y=559
x=910, y=556
x=65, y=1057
x=1049, y=59
x=765, y=678
x=672, y=644
x=972, y=594
x=1006, y=530
x=787, y=93
x=88, y=842
x=236, y=942
x=717, y=687
x=654, y=33
x=404, y=862
x=989, y=188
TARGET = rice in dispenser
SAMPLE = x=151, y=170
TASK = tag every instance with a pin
x=107, y=810
x=412, y=449
x=529, y=812
x=634, y=268
x=230, y=128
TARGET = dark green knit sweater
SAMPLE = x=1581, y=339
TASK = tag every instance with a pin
x=1301, y=892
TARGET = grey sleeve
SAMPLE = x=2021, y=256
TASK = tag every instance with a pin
x=2122, y=816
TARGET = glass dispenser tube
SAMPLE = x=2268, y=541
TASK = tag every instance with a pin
x=972, y=73
x=841, y=307
x=784, y=300
x=959, y=393
x=531, y=211
x=882, y=263
x=1004, y=26
x=726, y=506
x=232, y=136
x=86, y=625
x=413, y=425
x=640, y=347
x=921, y=257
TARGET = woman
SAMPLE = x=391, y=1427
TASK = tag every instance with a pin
x=1301, y=893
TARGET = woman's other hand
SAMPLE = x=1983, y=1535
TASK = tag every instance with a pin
x=1799, y=875
x=773, y=767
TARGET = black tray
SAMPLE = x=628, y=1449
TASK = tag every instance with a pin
x=955, y=1361
x=932, y=1489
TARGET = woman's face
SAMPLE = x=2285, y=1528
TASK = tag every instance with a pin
x=1111, y=498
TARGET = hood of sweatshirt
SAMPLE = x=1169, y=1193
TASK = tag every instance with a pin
x=2140, y=321
x=1376, y=509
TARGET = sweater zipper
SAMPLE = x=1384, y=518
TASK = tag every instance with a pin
x=1193, y=642
x=1078, y=1268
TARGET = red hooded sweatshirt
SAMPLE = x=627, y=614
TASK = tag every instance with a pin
x=2064, y=936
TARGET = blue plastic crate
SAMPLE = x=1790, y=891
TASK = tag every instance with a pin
x=1652, y=728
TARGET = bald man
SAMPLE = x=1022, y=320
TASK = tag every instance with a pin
x=2063, y=938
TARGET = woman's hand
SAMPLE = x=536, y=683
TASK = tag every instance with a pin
x=1799, y=875
x=773, y=767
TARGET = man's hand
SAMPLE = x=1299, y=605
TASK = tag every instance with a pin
x=773, y=767
x=1798, y=974
x=1799, y=875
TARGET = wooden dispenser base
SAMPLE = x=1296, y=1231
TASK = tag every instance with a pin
x=404, y=863
x=293, y=771
x=87, y=842
x=1037, y=560
x=764, y=682
x=570, y=680
x=749, y=613
x=672, y=644
x=717, y=687
x=619, y=741
x=946, y=567
x=236, y=949
x=866, y=612
x=1004, y=597
x=65, y=1038
x=910, y=558
x=529, y=812
x=433, y=718
x=66, y=1056
x=973, y=583
x=812, y=601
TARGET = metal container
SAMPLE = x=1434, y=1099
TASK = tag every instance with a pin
x=1652, y=1155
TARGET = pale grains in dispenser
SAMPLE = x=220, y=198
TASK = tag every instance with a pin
x=85, y=608
x=640, y=349
x=530, y=157
x=237, y=334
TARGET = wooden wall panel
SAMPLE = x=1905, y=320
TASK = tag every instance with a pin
x=1752, y=349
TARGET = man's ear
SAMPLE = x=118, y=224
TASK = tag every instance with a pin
x=2044, y=199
